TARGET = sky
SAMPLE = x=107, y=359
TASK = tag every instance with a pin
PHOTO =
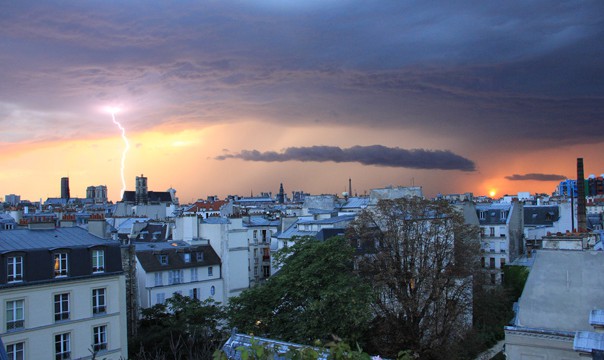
x=236, y=97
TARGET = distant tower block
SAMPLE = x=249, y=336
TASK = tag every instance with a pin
x=65, y=188
x=141, y=194
x=281, y=195
x=581, y=207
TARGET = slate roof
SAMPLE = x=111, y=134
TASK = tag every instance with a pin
x=541, y=215
x=24, y=239
x=331, y=220
x=147, y=255
x=259, y=221
x=153, y=196
x=153, y=232
x=356, y=203
x=492, y=213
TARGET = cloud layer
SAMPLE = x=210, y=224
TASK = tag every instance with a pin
x=367, y=155
x=536, y=177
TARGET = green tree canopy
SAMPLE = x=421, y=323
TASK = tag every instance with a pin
x=183, y=327
x=314, y=295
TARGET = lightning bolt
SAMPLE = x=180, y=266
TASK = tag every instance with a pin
x=123, y=152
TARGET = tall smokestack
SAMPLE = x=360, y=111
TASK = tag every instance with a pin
x=581, y=217
x=349, y=187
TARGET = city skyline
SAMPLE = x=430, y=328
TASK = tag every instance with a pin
x=223, y=98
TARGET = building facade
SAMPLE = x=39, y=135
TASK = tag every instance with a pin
x=42, y=273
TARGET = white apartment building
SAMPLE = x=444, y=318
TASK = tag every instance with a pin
x=166, y=268
x=501, y=228
x=62, y=295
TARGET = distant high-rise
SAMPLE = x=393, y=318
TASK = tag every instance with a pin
x=141, y=193
x=65, y=188
x=581, y=212
x=281, y=195
x=12, y=199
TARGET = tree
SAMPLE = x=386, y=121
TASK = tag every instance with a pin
x=314, y=295
x=419, y=255
x=182, y=328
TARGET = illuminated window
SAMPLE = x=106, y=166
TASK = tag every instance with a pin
x=60, y=265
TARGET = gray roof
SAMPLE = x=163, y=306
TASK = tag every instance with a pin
x=216, y=220
x=562, y=289
x=587, y=341
x=356, y=203
x=259, y=221
x=492, y=213
x=147, y=255
x=24, y=239
x=541, y=215
x=236, y=341
x=331, y=220
x=596, y=317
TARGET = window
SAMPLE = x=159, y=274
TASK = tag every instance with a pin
x=255, y=270
x=175, y=277
x=482, y=262
x=98, y=261
x=212, y=290
x=492, y=231
x=160, y=298
x=61, y=307
x=187, y=257
x=502, y=262
x=14, y=269
x=266, y=270
x=194, y=274
x=504, y=215
x=492, y=263
x=210, y=271
x=482, y=215
x=99, y=306
x=15, y=351
x=60, y=264
x=62, y=346
x=199, y=256
x=158, y=279
x=99, y=338
x=14, y=314
x=194, y=293
x=163, y=259
x=493, y=278
x=255, y=252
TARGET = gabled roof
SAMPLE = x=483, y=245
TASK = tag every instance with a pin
x=206, y=205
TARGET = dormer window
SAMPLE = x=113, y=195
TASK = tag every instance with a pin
x=163, y=259
x=60, y=264
x=187, y=257
x=98, y=261
x=199, y=256
x=482, y=215
x=504, y=215
x=14, y=269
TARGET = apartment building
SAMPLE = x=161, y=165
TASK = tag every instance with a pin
x=62, y=295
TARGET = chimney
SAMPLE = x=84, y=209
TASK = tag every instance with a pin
x=581, y=217
x=349, y=186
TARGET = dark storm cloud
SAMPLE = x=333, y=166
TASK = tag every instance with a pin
x=366, y=155
x=536, y=177
x=483, y=73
